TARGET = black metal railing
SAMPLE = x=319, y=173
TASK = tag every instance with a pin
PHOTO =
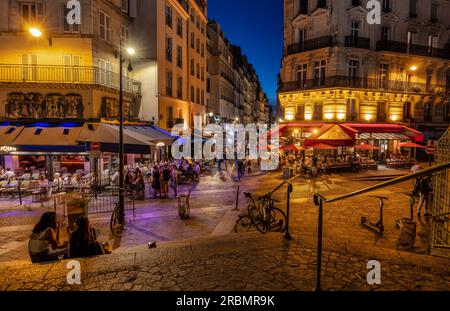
x=310, y=45
x=320, y=199
x=421, y=50
x=105, y=201
x=66, y=75
x=363, y=83
x=357, y=42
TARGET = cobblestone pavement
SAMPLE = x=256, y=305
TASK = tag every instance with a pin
x=237, y=262
x=213, y=201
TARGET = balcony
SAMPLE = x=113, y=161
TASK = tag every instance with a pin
x=364, y=83
x=310, y=45
x=421, y=50
x=66, y=77
x=357, y=42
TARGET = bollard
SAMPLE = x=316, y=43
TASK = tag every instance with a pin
x=237, y=197
x=20, y=192
x=319, y=202
x=287, y=235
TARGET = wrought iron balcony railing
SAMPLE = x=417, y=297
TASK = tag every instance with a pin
x=421, y=50
x=364, y=83
x=310, y=45
x=357, y=42
x=66, y=75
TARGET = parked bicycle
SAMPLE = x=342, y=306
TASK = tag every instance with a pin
x=262, y=215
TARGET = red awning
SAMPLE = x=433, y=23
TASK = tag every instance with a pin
x=411, y=145
x=321, y=146
x=366, y=147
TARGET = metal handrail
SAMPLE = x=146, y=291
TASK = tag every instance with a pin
x=391, y=182
x=319, y=199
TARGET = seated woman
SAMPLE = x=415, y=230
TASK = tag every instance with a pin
x=43, y=244
x=83, y=242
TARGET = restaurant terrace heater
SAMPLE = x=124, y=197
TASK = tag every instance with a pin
x=411, y=145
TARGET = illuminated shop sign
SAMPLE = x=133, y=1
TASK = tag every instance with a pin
x=7, y=149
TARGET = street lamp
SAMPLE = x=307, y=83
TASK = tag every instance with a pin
x=129, y=51
x=35, y=32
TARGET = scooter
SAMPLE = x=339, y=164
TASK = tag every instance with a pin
x=378, y=227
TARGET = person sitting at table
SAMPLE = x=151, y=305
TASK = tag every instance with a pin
x=43, y=245
x=43, y=182
x=58, y=182
x=83, y=241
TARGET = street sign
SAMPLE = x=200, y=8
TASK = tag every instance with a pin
x=430, y=149
x=95, y=146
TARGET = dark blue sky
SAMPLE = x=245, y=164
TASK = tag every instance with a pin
x=257, y=26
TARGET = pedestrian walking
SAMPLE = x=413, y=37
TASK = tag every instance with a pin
x=424, y=191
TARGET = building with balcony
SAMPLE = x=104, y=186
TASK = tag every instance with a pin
x=69, y=72
x=337, y=68
x=171, y=36
x=234, y=90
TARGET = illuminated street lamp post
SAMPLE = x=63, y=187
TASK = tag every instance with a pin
x=130, y=52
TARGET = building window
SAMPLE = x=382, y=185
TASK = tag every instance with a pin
x=353, y=69
x=31, y=13
x=105, y=72
x=198, y=22
x=322, y=4
x=180, y=87
x=180, y=56
x=382, y=108
x=428, y=112
x=385, y=33
x=319, y=72
x=208, y=85
x=407, y=111
x=302, y=76
x=198, y=71
x=180, y=27
x=203, y=74
x=203, y=50
x=434, y=12
x=124, y=6
x=192, y=40
x=432, y=43
x=124, y=34
x=447, y=112
x=198, y=96
x=192, y=94
x=352, y=110
x=318, y=112
x=355, y=29
x=203, y=97
x=75, y=28
x=303, y=8
x=300, y=35
x=411, y=38
x=383, y=75
x=192, y=68
x=169, y=49
x=169, y=83
x=198, y=45
x=386, y=6
x=412, y=8
x=105, y=31
x=192, y=15
x=169, y=16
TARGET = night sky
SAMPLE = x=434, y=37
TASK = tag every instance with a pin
x=257, y=26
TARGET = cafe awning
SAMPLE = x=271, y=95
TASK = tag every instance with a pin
x=364, y=146
x=8, y=134
x=154, y=134
x=107, y=135
x=411, y=145
x=334, y=135
x=47, y=138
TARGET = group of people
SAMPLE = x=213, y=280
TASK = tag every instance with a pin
x=45, y=243
x=6, y=174
x=161, y=177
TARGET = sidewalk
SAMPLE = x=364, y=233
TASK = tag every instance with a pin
x=236, y=262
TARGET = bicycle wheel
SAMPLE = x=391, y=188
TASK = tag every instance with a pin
x=244, y=224
x=277, y=220
x=115, y=226
x=258, y=218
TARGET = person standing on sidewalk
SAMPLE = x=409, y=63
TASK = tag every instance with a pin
x=167, y=174
x=424, y=192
